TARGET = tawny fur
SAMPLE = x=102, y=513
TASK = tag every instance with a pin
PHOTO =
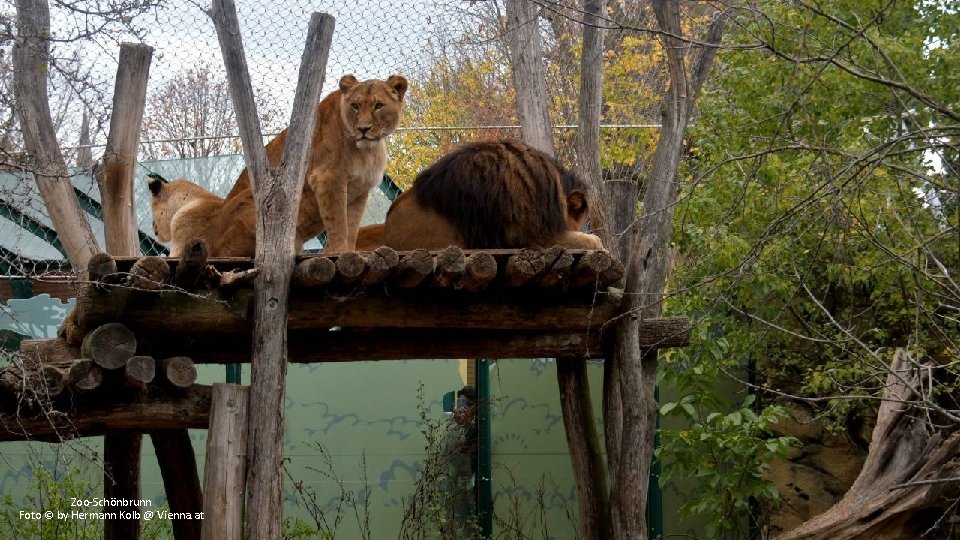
x=491, y=195
x=347, y=160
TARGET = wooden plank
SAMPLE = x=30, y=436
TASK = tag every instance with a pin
x=181, y=482
x=214, y=312
x=187, y=409
x=121, y=481
x=224, y=478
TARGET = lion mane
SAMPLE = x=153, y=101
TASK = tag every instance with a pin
x=497, y=194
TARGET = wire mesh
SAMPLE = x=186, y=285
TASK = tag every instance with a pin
x=453, y=53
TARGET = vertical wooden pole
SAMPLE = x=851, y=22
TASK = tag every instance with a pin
x=584, y=445
x=120, y=158
x=31, y=64
x=178, y=467
x=277, y=196
x=121, y=480
x=224, y=478
x=529, y=82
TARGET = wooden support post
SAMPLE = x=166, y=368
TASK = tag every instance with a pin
x=277, y=202
x=120, y=155
x=224, y=477
x=584, y=444
x=178, y=467
x=121, y=480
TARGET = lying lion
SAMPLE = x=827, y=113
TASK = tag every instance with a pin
x=501, y=194
x=347, y=159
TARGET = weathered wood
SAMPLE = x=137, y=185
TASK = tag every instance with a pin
x=181, y=482
x=59, y=286
x=187, y=409
x=84, y=376
x=910, y=471
x=237, y=278
x=314, y=272
x=193, y=262
x=414, y=268
x=277, y=203
x=583, y=442
x=110, y=345
x=33, y=386
x=381, y=264
x=351, y=267
x=54, y=352
x=149, y=273
x=139, y=372
x=529, y=80
x=31, y=66
x=523, y=267
x=559, y=266
x=224, y=480
x=449, y=268
x=120, y=154
x=101, y=265
x=590, y=267
x=180, y=371
x=480, y=271
x=121, y=481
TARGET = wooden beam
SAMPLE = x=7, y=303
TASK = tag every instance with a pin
x=224, y=478
x=216, y=312
x=351, y=344
x=187, y=409
x=120, y=156
x=181, y=482
x=121, y=480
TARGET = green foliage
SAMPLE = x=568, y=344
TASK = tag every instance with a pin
x=440, y=507
x=55, y=491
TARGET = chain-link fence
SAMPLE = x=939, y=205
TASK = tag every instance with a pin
x=453, y=53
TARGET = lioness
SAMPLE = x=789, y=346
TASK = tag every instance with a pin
x=501, y=194
x=347, y=159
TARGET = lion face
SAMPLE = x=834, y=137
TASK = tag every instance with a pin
x=370, y=110
x=167, y=198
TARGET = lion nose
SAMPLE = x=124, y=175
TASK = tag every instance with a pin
x=363, y=130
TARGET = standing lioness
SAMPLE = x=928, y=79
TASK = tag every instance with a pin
x=347, y=160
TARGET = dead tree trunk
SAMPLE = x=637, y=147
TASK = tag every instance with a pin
x=31, y=63
x=911, y=471
x=529, y=83
x=120, y=158
x=645, y=282
x=277, y=197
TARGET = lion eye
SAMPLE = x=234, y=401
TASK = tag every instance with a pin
x=355, y=106
x=378, y=106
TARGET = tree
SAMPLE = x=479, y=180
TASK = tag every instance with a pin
x=819, y=227
x=191, y=115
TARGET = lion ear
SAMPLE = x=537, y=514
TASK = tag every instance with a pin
x=577, y=205
x=156, y=183
x=399, y=85
x=347, y=82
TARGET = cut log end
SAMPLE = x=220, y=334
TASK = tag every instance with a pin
x=179, y=371
x=110, y=345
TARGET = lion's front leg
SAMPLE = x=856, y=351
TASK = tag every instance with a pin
x=332, y=204
x=354, y=215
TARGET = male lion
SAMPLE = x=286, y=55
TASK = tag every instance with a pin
x=347, y=159
x=501, y=194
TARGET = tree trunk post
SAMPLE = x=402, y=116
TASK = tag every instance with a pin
x=224, y=477
x=31, y=63
x=277, y=196
x=529, y=83
x=121, y=480
x=178, y=467
x=120, y=158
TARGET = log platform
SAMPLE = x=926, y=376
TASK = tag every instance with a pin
x=127, y=353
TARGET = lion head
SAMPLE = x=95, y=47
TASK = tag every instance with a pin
x=370, y=110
